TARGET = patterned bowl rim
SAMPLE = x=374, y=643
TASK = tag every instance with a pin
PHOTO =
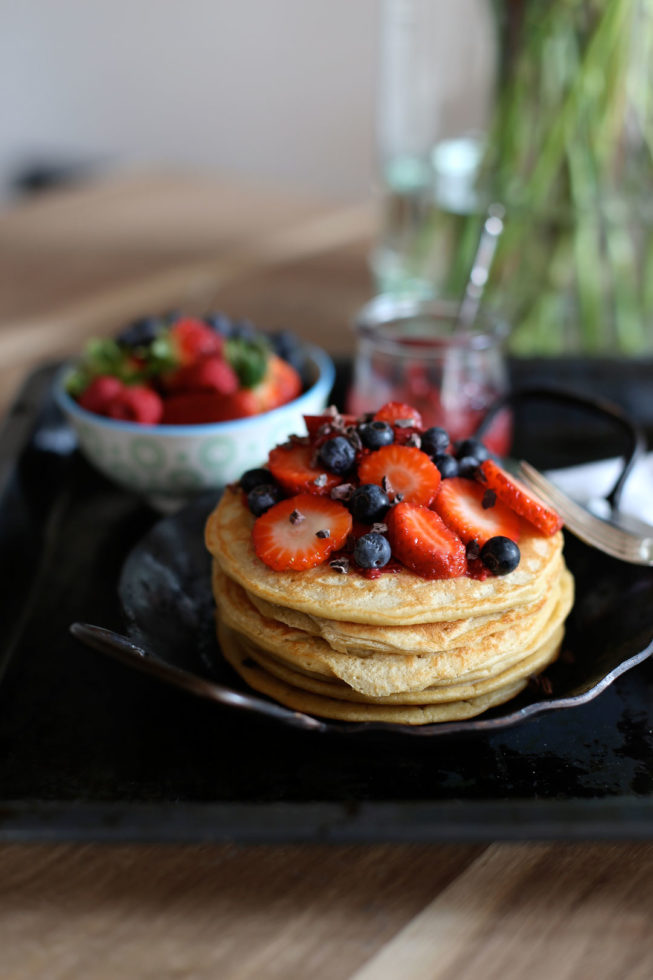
x=322, y=385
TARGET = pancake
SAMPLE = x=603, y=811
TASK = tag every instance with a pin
x=529, y=665
x=238, y=652
x=398, y=599
x=375, y=674
x=421, y=638
x=359, y=638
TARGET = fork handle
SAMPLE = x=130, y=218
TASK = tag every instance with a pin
x=634, y=433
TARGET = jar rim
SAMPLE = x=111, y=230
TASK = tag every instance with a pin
x=382, y=311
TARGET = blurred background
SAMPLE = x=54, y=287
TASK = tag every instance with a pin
x=280, y=91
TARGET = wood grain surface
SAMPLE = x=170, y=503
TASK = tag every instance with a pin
x=81, y=262
x=375, y=913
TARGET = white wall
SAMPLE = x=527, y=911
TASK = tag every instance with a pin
x=282, y=90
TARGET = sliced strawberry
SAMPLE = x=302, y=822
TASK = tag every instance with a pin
x=404, y=470
x=192, y=339
x=459, y=503
x=291, y=467
x=240, y=405
x=423, y=543
x=519, y=498
x=280, y=384
x=395, y=412
x=300, y=532
x=315, y=422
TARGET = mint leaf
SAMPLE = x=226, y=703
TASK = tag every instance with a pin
x=249, y=359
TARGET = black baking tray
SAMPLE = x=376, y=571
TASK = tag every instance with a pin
x=92, y=751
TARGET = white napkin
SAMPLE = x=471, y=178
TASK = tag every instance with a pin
x=591, y=480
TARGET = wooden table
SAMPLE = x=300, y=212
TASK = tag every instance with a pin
x=79, y=263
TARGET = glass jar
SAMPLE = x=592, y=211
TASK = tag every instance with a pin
x=410, y=351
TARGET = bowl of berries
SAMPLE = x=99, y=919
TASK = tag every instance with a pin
x=176, y=405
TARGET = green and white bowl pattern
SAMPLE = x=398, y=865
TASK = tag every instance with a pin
x=178, y=460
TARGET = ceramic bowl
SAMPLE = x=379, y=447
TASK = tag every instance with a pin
x=168, y=463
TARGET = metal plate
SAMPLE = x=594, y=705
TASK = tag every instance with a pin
x=166, y=596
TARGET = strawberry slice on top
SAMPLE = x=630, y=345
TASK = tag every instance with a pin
x=315, y=422
x=519, y=498
x=293, y=468
x=402, y=470
x=422, y=542
x=474, y=512
x=300, y=532
x=398, y=412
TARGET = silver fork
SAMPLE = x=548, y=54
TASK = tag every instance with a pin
x=618, y=535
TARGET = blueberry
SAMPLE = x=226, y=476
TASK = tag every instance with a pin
x=338, y=454
x=287, y=345
x=472, y=447
x=435, y=441
x=243, y=330
x=140, y=333
x=373, y=435
x=255, y=478
x=447, y=465
x=372, y=551
x=500, y=555
x=468, y=466
x=369, y=503
x=221, y=323
x=262, y=497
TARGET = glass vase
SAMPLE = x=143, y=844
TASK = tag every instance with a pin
x=568, y=149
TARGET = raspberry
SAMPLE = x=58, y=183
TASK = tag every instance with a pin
x=137, y=404
x=99, y=394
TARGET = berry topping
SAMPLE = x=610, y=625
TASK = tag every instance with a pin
x=447, y=465
x=422, y=541
x=373, y=435
x=402, y=470
x=372, y=551
x=255, y=478
x=286, y=544
x=435, y=441
x=137, y=404
x=500, y=555
x=100, y=393
x=468, y=467
x=397, y=413
x=315, y=422
x=472, y=447
x=292, y=467
x=460, y=504
x=262, y=497
x=369, y=503
x=337, y=454
x=519, y=498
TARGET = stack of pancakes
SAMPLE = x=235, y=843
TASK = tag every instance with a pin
x=397, y=648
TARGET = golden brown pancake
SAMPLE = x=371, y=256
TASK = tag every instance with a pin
x=398, y=599
x=236, y=650
x=397, y=648
x=377, y=674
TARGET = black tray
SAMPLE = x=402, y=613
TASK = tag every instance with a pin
x=92, y=751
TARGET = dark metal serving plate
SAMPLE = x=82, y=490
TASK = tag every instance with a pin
x=90, y=750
